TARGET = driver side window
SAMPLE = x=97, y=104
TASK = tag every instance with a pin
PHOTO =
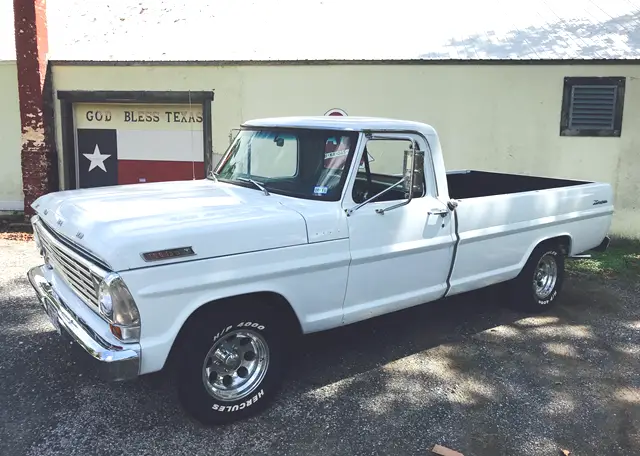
x=382, y=167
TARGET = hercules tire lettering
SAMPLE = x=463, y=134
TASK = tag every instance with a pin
x=208, y=328
x=241, y=406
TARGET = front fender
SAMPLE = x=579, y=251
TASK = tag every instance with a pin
x=312, y=278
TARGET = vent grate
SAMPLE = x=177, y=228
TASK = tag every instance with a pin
x=593, y=107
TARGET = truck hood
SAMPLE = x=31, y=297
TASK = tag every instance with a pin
x=118, y=224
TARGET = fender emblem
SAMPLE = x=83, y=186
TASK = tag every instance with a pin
x=79, y=235
x=168, y=254
x=596, y=202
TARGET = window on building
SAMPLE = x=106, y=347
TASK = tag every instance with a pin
x=592, y=106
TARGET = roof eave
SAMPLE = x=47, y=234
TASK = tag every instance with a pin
x=622, y=61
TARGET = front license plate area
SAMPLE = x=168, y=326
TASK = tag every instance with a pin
x=53, y=318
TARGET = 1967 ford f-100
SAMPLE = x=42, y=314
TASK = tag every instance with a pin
x=306, y=224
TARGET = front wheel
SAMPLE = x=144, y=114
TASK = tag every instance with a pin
x=232, y=363
x=537, y=286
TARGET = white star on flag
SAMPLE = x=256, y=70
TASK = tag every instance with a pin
x=97, y=159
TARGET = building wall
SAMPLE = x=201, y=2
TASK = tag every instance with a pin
x=490, y=117
x=11, y=197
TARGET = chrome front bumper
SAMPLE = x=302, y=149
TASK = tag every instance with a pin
x=106, y=358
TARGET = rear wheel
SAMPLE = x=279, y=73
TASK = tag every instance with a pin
x=537, y=286
x=231, y=363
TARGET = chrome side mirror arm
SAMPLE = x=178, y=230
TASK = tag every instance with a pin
x=379, y=211
x=395, y=206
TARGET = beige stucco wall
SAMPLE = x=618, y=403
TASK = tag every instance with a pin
x=11, y=197
x=491, y=117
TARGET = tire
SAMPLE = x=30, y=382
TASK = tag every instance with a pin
x=246, y=348
x=538, y=285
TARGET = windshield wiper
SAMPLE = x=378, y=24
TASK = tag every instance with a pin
x=257, y=184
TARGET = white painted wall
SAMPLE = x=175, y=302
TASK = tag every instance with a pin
x=490, y=117
x=11, y=197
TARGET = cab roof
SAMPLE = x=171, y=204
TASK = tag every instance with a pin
x=349, y=123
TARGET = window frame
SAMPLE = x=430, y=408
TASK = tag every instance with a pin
x=355, y=136
x=366, y=140
x=569, y=83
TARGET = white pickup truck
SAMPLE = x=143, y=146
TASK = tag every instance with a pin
x=306, y=224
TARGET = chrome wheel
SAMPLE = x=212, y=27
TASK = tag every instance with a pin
x=235, y=365
x=545, y=276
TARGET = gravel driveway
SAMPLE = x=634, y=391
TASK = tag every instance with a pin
x=463, y=373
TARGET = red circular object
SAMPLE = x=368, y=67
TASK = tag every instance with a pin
x=335, y=112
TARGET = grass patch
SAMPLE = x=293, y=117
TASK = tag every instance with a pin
x=621, y=259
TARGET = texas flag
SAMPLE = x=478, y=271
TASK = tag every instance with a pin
x=111, y=157
x=128, y=146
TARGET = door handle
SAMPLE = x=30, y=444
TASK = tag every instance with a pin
x=438, y=211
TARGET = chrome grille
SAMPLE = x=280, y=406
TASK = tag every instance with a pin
x=81, y=276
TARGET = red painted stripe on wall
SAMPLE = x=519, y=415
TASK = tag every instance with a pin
x=140, y=171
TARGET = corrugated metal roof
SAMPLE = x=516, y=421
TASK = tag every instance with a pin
x=343, y=29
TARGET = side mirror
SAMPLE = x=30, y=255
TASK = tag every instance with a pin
x=413, y=171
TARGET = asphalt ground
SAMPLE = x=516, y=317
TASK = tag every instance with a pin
x=464, y=373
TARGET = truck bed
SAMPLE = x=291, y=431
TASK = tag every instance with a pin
x=500, y=218
x=474, y=184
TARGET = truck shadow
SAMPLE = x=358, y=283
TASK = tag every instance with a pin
x=465, y=371
x=489, y=379
x=326, y=357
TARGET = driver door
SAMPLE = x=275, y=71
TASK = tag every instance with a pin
x=402, y=257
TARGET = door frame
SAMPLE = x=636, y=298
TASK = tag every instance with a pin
x=68, y=98
x=430, y=180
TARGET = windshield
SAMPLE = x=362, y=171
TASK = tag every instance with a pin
x=303, y=163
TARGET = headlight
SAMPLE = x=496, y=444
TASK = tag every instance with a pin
x=118, y=307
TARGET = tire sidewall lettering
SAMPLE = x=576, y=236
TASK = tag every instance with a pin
x=251, y=324
x=242, y=324
x=548, y=300
x=241, y=406
x=215, y=327
x=222, y=332
x=256, y=396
